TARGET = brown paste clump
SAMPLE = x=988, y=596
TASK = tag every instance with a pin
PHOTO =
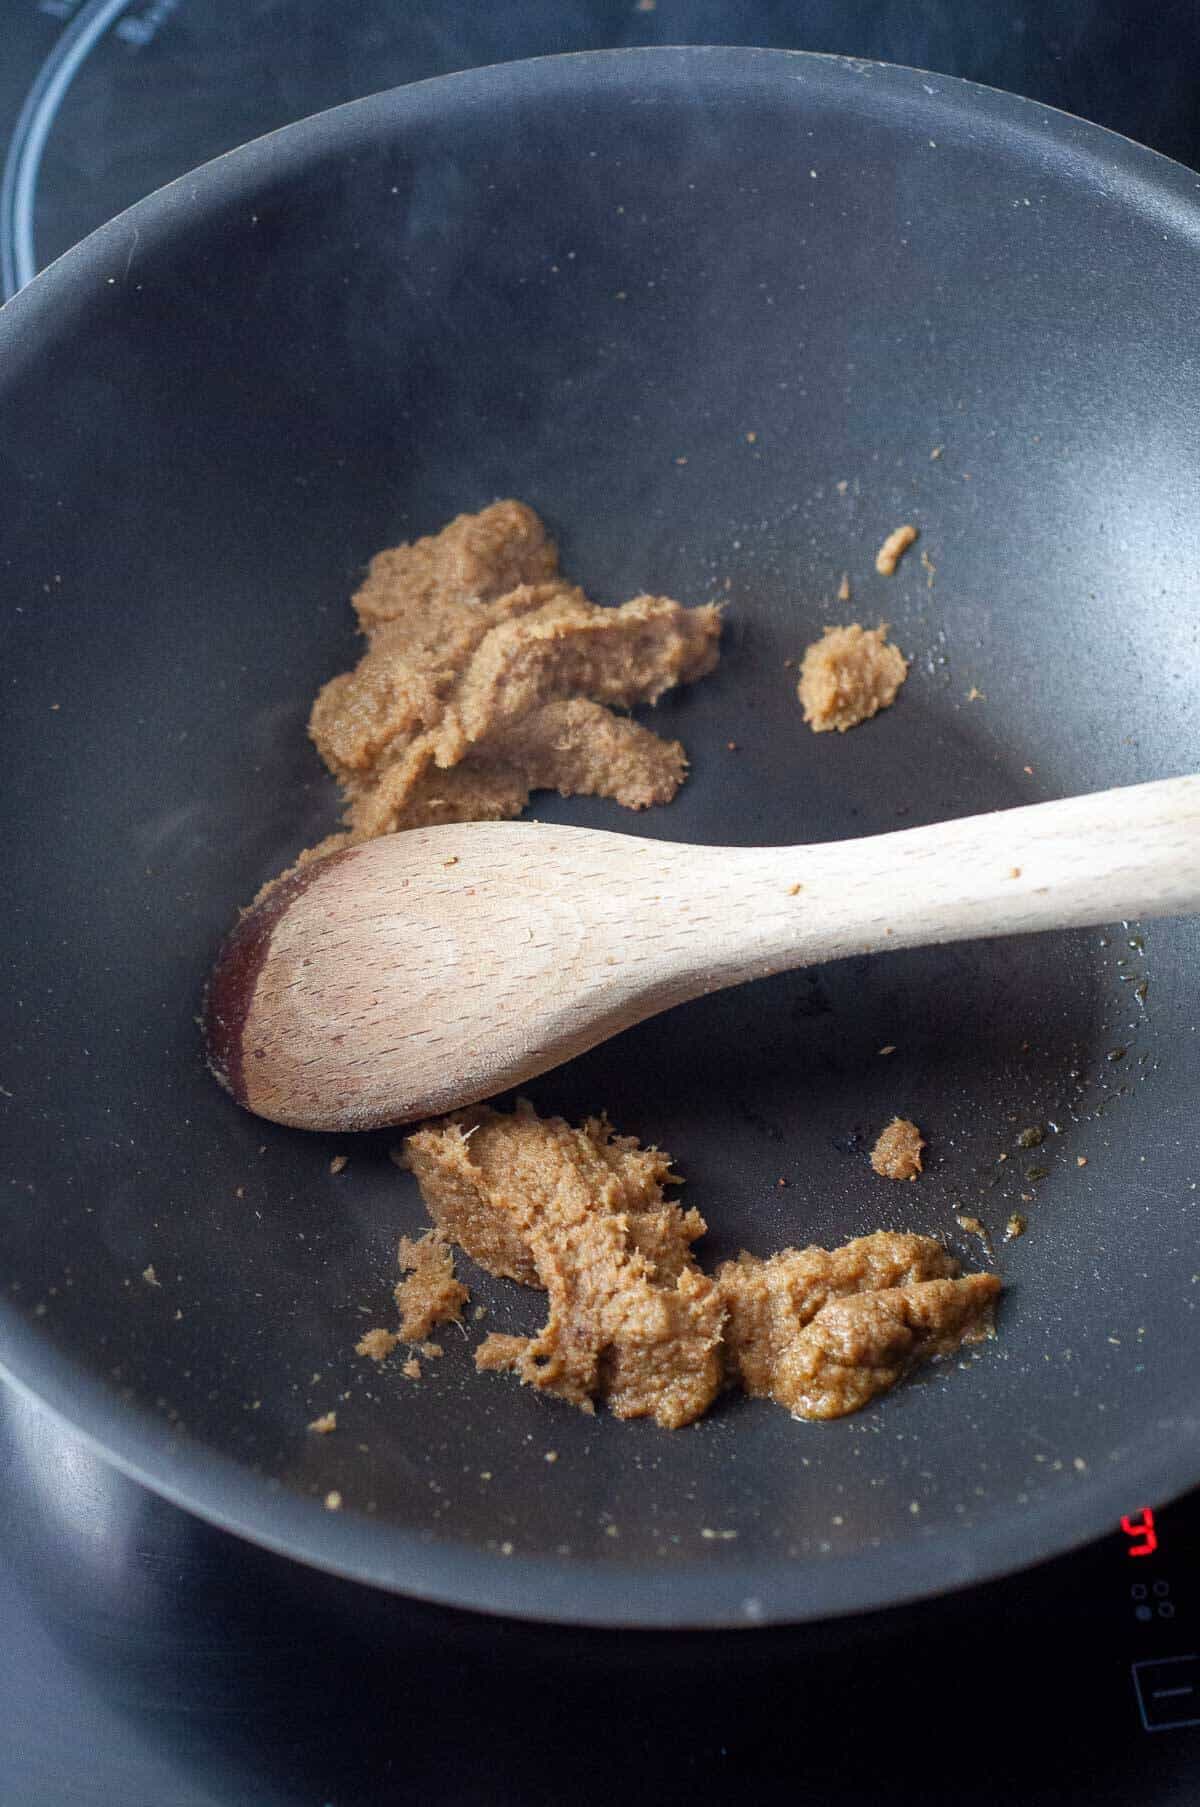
x=893, y=549
x=897, y=1151
x=849, y=675
x=823, y=1331
x=487, y=676
x=581, y=1213
x=430, y=1294
x=376, y=1343
x=634, y=1321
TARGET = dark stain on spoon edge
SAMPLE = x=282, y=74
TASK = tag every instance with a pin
x=236, y=971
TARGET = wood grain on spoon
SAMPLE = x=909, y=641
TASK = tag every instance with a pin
x=429, y=969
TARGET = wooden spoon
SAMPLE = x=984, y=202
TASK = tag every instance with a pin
x=432, y=968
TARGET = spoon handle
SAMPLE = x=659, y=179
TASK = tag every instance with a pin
x=1117, y=854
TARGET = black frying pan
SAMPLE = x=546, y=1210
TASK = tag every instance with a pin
x=587, y=282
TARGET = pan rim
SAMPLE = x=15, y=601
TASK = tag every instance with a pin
x=712, y=1593
x=694, y=1596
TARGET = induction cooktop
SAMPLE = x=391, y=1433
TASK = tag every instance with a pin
x=151, y=1660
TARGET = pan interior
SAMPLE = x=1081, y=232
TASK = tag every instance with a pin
x=724, y=319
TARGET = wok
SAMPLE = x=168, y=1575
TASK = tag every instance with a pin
x=713, y=313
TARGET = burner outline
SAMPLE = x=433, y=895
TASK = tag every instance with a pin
x=18, y=186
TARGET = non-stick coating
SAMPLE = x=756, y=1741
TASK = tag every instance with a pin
x=725, y=318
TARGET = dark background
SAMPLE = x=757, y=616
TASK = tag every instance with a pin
x=175, y=82
x=146, y=1659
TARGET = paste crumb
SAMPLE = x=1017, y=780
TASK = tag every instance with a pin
x=975, y=1226
x=431, y=1294
x=897, y=1152
x=488, y=675
x=378, y=1344
x=849, y=675
x=893, y=549
x=324, y=1424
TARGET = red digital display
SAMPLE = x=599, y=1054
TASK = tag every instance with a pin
x=1143, y=1538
